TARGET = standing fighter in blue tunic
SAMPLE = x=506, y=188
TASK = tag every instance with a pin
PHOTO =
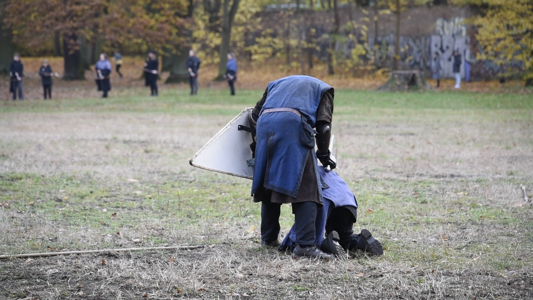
x=286, y=169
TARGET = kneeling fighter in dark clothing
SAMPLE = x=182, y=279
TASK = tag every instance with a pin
x=286, y=169
x=336, y=217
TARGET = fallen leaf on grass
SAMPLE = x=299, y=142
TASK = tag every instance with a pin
x=103, y=262
x=444, y=238
x=360, y=275
x=251, y=229
x=31, y=203
x=113, y=215
x=369, y=211
x=145, y=295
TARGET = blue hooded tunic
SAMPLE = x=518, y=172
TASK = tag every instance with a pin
x=280, y=156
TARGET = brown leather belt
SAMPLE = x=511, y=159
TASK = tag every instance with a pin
x=292, y=110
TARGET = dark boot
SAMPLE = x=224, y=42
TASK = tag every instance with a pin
x=331, y=245
x=273, y=244
x=310, y=252
x=363, y=241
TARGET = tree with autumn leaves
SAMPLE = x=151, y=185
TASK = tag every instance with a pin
x=505, y=32
x=214, y=27
x=92, y=25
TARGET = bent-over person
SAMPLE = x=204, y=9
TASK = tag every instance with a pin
x=336, y=219
x=286, y=169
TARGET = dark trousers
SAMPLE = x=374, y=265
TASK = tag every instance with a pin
x=105, y=94
x=193, y=81
x=231, y=83
x=47, y=91
x=118, y=70
x=17, y=86
x=341, y=220
x=153, y=87
x=438, y=82
x=304, y=222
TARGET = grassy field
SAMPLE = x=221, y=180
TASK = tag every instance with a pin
x=437, y=177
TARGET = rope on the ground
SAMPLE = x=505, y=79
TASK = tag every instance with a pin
x=45, y=254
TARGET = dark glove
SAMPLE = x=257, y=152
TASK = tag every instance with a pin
x=326, y=160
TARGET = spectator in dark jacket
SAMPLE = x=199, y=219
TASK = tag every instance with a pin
x=231, y=72
x=193, y=64
x=118, y=62
x=103, y=70
x=151, y=72
x=436, y=68
x=16, y=72
x=46, y=77
x=457, y=60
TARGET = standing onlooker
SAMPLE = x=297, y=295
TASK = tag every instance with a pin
x=193, y=64
x=46, y=77
x=231, y=72
x=436, y=69
x=16, y=72
x=467, y=68
x=103, y=70
x=151, y=68
x=118, y=62
x=457, y=60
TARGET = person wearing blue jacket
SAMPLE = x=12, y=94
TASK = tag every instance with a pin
x=16, y=72
x=103, y=70
x=285, y=163
x=46, y=78
x=336, y=218
x=231, y=72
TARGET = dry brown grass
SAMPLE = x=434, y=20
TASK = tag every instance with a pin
x=439, y=188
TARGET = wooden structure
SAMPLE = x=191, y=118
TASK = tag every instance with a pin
x=399, y=81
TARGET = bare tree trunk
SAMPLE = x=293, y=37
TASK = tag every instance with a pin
x=397, y=37
x=6, y=50
x=57, y=43
x=331, y=52
x=376, y=33
x=286, y=41
x=72, y=58
x=309, y=35
x=228, y=15
x=176, y=63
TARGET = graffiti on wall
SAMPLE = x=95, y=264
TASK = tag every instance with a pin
x=417, y=53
